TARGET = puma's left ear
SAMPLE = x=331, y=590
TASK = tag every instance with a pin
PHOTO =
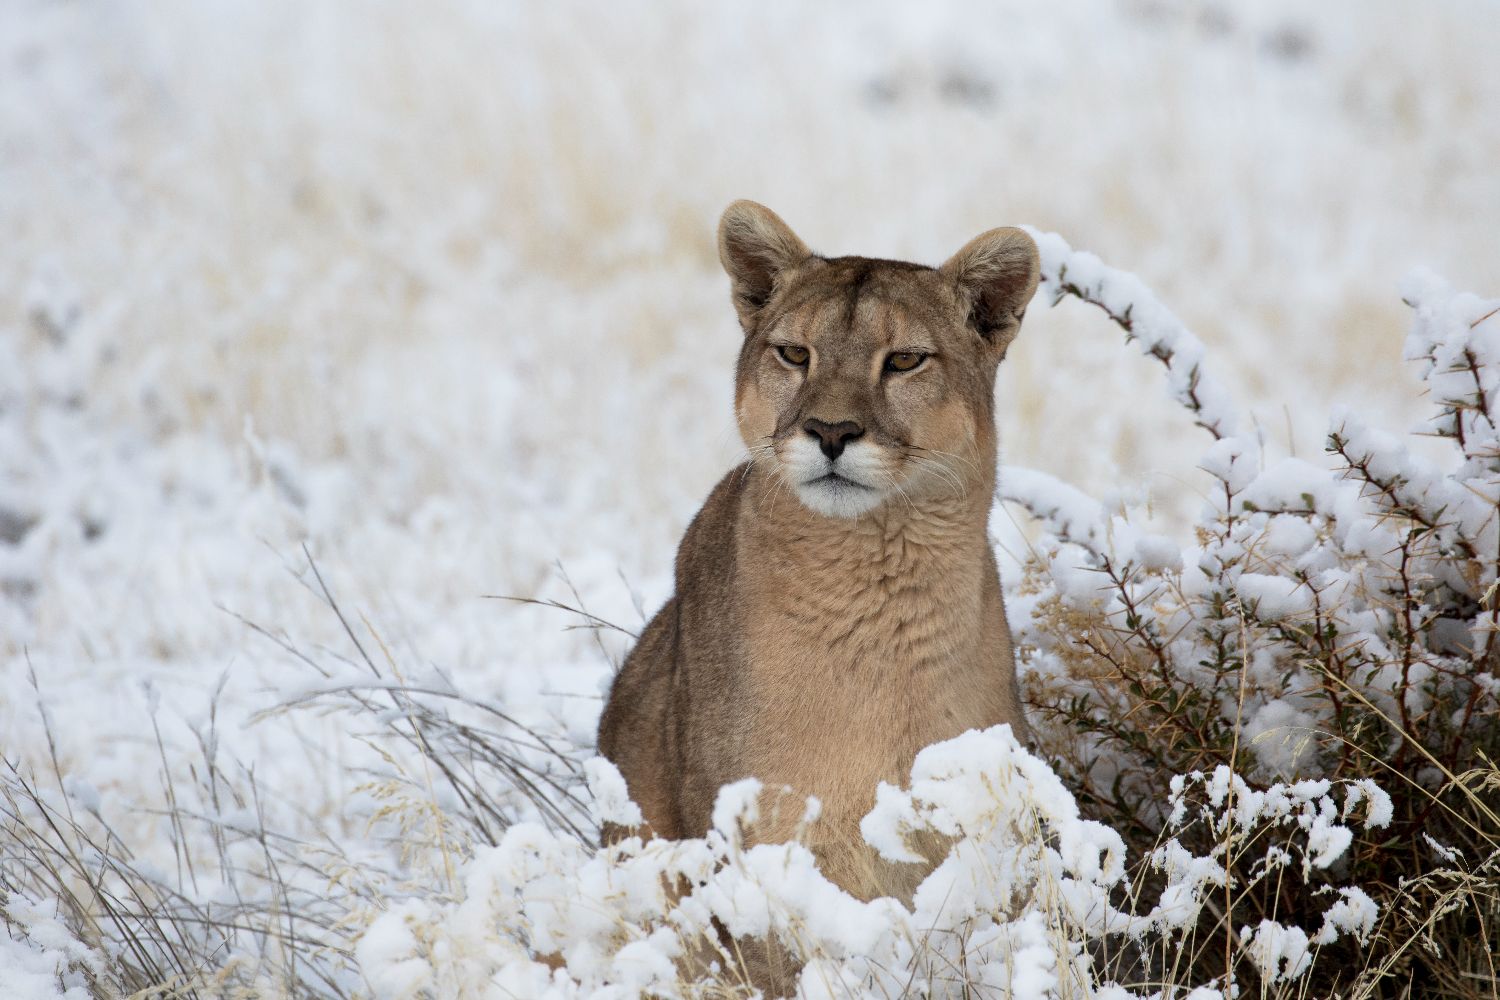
x=996, y=273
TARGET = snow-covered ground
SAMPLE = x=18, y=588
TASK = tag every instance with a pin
x=429, y=292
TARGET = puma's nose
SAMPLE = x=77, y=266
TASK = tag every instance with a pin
x=833, y=437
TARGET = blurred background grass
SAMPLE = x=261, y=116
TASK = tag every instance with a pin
x=276, y=199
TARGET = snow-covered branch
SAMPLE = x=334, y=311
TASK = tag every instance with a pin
x=1145, y=320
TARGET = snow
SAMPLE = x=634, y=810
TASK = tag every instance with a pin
x=1290, y=536
x=39, y=958
x=1305, y=810
x=391, y=956
x=428, y=296
x=1272, y=598
x=610, y=799
x=1379, y=812
x=1282, y=735
x=34, y=973
x=1157, y=553
x=1279, y=951
x=1354, y=913
x=1067, y=511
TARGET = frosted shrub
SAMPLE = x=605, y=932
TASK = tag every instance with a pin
x=542, y=915
x=1333, y=621
x=1020, y=905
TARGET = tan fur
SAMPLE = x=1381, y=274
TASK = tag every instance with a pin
x=822, y=652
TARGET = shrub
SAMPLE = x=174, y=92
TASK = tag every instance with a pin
x=1333, y=623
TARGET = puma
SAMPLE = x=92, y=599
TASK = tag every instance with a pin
x=837, y=603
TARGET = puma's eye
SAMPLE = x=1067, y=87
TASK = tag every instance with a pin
x=792, y=354
x=904, y=361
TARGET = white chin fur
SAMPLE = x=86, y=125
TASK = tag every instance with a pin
x=839, y=497
x=847, y=496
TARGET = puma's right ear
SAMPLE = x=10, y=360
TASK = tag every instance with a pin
x=754, y=247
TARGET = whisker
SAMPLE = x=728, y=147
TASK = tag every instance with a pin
x=755, y=452
x=891, y=484
x=772, y=491
x=768, y=488
x=949, y=478
x=974, y=466
x=780, y=483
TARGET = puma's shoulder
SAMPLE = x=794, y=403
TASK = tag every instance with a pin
x=707, y=551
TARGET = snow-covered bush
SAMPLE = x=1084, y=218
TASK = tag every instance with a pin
x=1021, y=906
x=1331, y=621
